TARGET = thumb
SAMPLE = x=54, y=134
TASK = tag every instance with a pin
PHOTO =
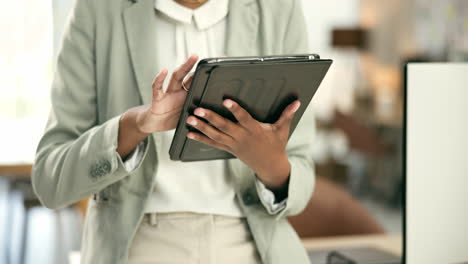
x=158, y=82
x=288, y=114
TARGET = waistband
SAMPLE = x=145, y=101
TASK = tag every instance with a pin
x=153, y=218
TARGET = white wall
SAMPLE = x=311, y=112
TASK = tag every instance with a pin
x=323, y=16
x=338, y=88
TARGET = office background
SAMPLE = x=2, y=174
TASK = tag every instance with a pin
x=358, y=107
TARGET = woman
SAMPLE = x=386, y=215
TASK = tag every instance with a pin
x=112, y=122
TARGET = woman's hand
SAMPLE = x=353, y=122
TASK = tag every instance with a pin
x=261, y=146
x=164, y=111
x=161, y=115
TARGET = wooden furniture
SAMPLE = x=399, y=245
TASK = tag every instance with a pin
x=16, y=171
x=331, y=212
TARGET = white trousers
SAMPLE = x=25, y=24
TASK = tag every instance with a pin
x=189, y=238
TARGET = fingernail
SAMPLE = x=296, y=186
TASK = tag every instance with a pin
x=190, y=135
x=228, y=103
x=192, y=121
x=199, y=112
x=297, y=107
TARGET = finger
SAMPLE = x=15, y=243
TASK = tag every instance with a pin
x=208, y=141
x=223, y=124
x=288, y=114
x=242, y=116
x=179, y=74
x=210, y=131
x=158, y=82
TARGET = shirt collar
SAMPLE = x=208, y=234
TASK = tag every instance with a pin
x=207, y=15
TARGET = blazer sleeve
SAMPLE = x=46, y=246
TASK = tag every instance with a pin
x=299, y=148
x=76, y=156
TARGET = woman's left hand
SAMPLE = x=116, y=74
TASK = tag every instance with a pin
x=261, y=146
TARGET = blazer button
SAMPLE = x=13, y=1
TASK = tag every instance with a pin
x=100, y=169
x=106, y=166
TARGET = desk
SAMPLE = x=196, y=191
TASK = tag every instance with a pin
x=391, y=243
x=16, y=171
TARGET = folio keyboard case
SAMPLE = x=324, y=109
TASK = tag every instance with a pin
x=264, y=86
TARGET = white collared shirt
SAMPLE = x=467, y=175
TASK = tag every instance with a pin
x=182, y=31
x=203, y=186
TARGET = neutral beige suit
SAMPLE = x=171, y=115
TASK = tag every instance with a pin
x=106, y=66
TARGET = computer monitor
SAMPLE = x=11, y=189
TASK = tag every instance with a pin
x=436, y=167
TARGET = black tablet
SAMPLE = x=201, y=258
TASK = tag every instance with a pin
x=264, y=86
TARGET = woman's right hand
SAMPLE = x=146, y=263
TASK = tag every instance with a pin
x=164, y=111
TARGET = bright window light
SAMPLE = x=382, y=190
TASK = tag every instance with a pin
x=26, y=57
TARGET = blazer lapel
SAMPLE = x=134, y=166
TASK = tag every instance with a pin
x=139, y=20
x=242, y=28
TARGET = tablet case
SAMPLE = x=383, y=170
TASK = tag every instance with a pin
x=264, y=86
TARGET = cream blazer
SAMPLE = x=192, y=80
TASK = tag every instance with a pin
x=106, y=65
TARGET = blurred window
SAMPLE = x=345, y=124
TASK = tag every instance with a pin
x=26, y=57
